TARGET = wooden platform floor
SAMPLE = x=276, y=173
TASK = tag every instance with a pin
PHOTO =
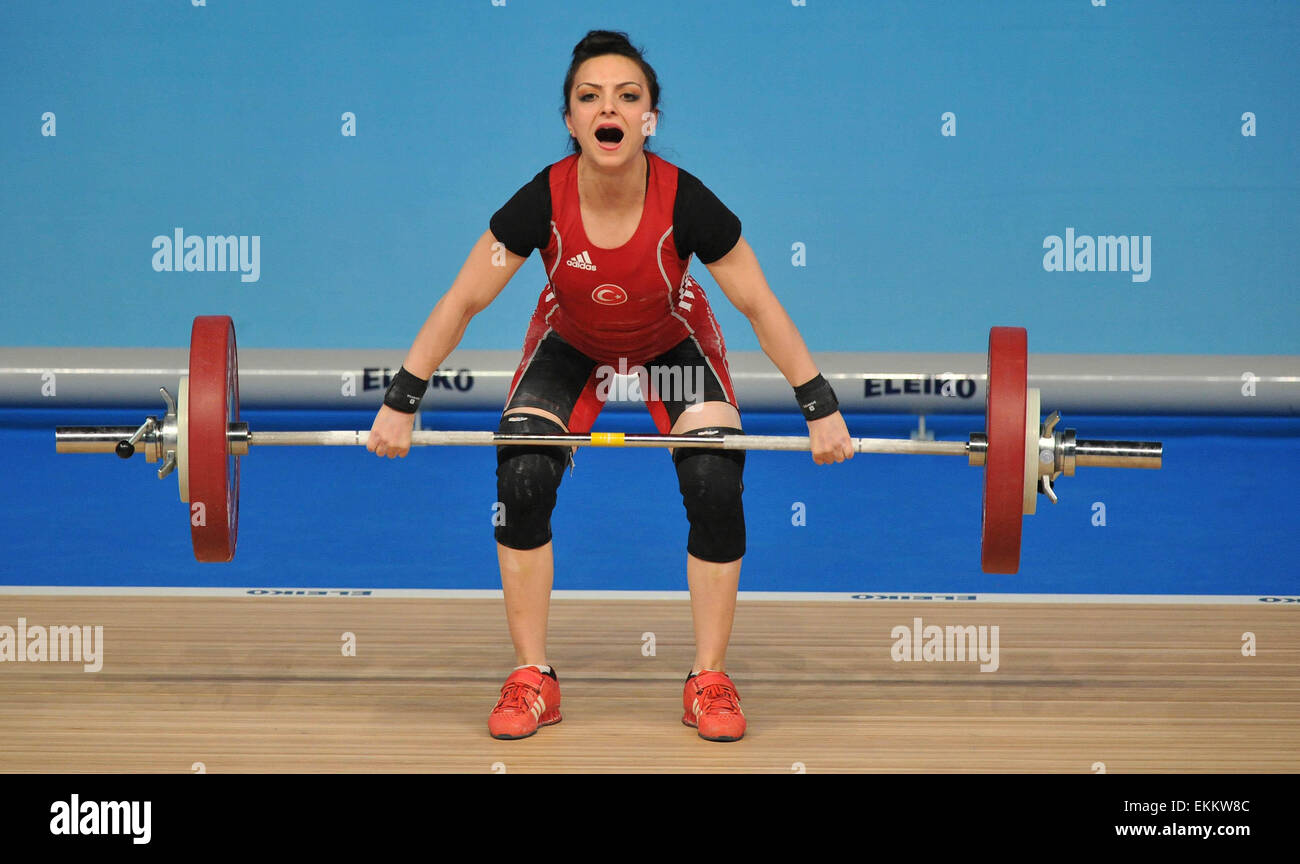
x=261, y=685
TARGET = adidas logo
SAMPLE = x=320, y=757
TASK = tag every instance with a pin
x=582, y=261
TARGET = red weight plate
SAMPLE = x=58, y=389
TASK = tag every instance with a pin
x=214, y=472
x=1004, y=464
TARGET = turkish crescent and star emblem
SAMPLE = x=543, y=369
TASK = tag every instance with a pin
x=609, y=295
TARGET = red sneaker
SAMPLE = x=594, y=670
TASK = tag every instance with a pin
x=713, y=706
x=530, y=698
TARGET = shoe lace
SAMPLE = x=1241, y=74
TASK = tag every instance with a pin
x=719, y=699
x=515, y=698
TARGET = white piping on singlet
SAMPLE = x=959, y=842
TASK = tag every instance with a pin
x=559, y=254
x=550, y=295
x=672, y=308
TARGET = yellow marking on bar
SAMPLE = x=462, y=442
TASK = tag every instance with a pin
x=607, y=439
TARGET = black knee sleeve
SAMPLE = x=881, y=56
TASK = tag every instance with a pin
x=527, y=480
x=711, y=484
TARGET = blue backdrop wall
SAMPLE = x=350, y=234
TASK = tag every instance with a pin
x=922, y=152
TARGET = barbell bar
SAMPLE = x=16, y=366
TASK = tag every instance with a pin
x=201, y=438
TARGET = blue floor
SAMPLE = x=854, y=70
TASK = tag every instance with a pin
x=1221, y=517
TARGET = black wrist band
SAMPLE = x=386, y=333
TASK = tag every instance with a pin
x=816, y=399
x=406, y=391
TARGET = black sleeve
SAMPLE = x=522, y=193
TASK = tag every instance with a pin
x=524, y=223
x=702, y=225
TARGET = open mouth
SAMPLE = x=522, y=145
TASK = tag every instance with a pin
x=609, y=136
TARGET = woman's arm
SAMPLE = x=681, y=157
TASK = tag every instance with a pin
x=482, y=277
x=741, y=279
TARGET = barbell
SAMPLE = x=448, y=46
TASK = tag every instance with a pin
x=201, y=438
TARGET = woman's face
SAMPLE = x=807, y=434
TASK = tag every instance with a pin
x=609, y=97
